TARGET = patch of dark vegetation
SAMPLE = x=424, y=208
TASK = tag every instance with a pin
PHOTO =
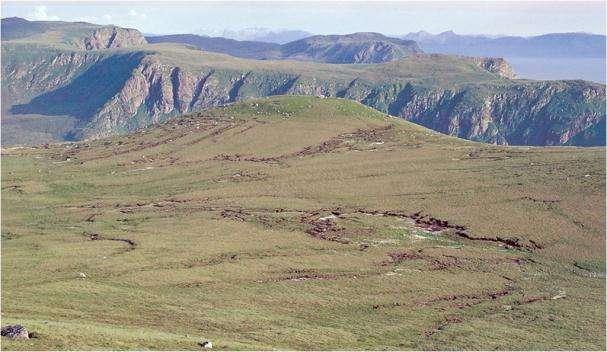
x=433, y=224
x=533, y=299
x=324, y=147
x=235, y=214
x=168, y=204
x=14, y=188
x=91, y=218
x=388, y=305
x=373, y=134
x=491, y=154
x=306, y=274
x=548, y=200
x=193, y=284
x=455, y=299
x=254, y=159
x=401, y=256
x=215, y=260
x=312, y=274
x=7, y=235
x=507, y=242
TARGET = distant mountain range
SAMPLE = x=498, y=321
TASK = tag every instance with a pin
x=548, y=56
x=70, y=81
x=256, y=34
x=548, y=45
x=350, y=48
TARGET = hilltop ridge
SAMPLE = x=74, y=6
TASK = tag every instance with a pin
x=345, y=49
x=78, y=35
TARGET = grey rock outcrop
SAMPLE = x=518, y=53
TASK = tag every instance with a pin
x=17, y=332
x=111, y=37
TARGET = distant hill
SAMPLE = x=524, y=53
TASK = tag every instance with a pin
x=547, y=45
x=246, y=49
x=350, y=48
x=548, y=56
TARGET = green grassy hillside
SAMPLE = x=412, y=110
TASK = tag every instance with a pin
x=303, y=223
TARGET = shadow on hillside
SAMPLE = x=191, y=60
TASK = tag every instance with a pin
x=88, y=92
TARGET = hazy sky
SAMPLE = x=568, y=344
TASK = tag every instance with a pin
x=491, y=17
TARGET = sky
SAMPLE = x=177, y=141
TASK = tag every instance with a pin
x=395, y=18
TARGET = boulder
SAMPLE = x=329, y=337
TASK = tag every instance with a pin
x=15, y=332
x=207, y=345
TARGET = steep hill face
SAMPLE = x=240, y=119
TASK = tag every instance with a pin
x=101, y=92
x=353, y=48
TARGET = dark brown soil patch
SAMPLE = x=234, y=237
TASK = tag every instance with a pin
x=324, y=229
x=482, y=296
x=97, y=237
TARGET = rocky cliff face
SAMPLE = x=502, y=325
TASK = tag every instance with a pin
x=542, y=113
x=499, y=66
x=127, y=92
x=528, y=114
x=111, y=37
x=25, y=77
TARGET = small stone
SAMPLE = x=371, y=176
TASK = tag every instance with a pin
x=207, y=345
x=15, y=332
x=82, y=275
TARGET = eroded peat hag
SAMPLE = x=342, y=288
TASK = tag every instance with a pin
x=362, y=218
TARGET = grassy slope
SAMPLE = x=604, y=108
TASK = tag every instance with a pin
x=218, y=208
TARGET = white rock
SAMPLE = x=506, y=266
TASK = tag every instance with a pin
x=207, y=345
x=330, y=217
